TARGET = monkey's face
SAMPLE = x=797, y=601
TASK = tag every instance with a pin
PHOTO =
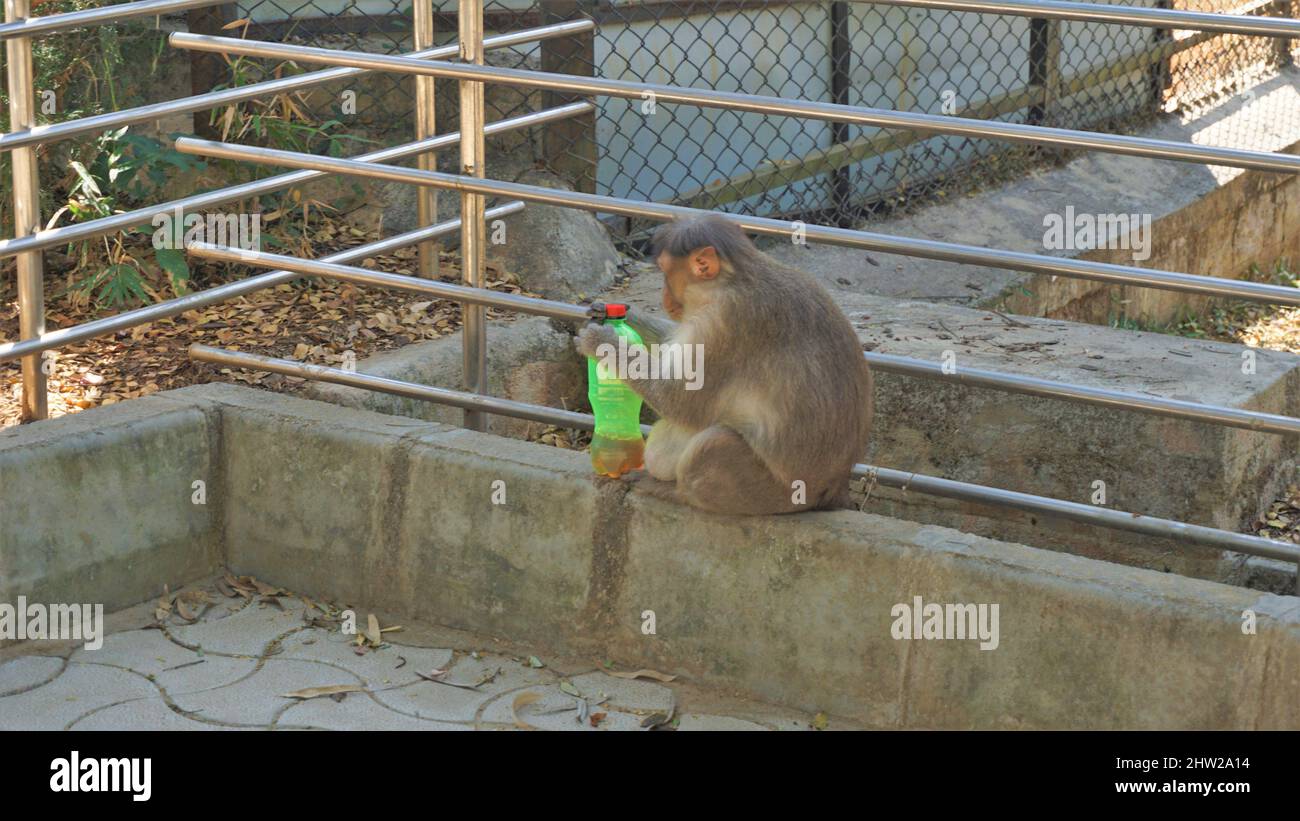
x=676, y=277
x=686, y=273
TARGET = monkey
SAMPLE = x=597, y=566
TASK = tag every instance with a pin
x=786, y=395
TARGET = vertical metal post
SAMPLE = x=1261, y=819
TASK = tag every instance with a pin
x=472, y=252
x=1159, y=75
x=426, y=204
x=1044, y=67
x=1284, y=59
x=27, y=209
x=841, y=71
x=905, y=100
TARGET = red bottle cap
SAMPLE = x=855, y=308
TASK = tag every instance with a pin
x=615, y=310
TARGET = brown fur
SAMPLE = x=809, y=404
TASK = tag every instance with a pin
x=786, y=394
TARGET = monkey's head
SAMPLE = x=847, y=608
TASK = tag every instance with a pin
x=698, y=255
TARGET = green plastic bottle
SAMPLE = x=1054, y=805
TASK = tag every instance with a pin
x=617, y=446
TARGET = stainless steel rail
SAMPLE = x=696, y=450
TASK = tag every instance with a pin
x=1051, y=389
x=1109, y=13
x=27, y=211
x=907, y=246
x=1192, y=411
x=474, y=295
x=45, y=134
x=30, y=26
x=141, y=216
x=965, y=491
x=223, y=293
x=736, y=101
x=473, y=250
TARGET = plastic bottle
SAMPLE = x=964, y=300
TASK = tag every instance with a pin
x=617, y=446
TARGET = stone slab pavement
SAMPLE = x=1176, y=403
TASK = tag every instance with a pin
x=225, y=654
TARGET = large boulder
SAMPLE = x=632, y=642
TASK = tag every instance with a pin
x=561, y=253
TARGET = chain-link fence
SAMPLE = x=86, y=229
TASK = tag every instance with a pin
x=1066, y=73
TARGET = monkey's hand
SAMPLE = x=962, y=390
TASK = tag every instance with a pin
x=590, y=338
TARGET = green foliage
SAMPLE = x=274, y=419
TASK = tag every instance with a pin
x=123, y=169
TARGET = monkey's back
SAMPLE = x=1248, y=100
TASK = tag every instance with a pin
x=819, y=385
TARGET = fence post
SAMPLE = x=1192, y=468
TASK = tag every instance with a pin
x=569, y=145
x=1284, y=59
x=426, y=203
x=1044, y=67
x=207, y=71
x=841, y=71
x=27, y=210
x=1160, y=73
x=472, y=252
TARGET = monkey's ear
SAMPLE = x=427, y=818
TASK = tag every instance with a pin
x=705, y=263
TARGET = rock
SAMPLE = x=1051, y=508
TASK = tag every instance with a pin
x=561, y=253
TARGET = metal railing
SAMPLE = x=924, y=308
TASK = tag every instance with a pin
x=1155, y=18
x=474, y=190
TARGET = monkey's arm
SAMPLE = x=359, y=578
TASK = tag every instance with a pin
x=652, y=329
x=671, y=384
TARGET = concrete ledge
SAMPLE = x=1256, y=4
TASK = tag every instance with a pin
x=406, y=516
x=799, y=608
x=101, y=503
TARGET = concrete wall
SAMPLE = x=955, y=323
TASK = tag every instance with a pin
x=1252, y=220
x=102, y=503
x=399, y=515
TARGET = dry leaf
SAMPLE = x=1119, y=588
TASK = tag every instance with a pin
x=333, y=689
x=655, y=719
x=437, y=680
x=266, y=589
x=654, y=674
x=372, y=631
x=523, y=700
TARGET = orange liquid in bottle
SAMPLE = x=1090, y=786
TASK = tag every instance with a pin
x=613, y=457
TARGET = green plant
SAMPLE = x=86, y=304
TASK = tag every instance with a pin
x=122, y=172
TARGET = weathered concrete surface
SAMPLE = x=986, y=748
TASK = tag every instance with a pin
x=103, y=501
x=488, y=534
x=1206, y=220
x=802, y=605
x=352, y=505
x=232, y=668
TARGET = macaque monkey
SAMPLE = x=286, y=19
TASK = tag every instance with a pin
x=786, y=396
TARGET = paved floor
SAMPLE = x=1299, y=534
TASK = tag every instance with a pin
x=211, y=660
